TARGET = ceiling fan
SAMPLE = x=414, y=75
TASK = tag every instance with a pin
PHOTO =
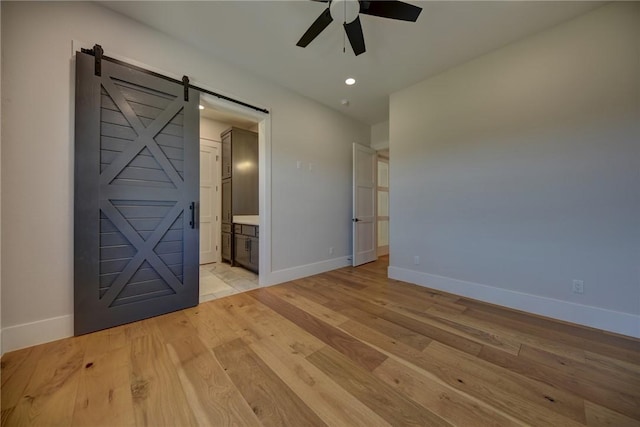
x=348, y=12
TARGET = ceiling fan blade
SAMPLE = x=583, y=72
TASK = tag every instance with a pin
x=316, y=28
x=356, y=38
x=393, y=9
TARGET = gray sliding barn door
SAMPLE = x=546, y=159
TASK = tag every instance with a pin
x=136, y=192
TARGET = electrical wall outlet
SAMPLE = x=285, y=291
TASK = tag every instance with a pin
x=416, y=260
x=578, y=287
x=331, y=251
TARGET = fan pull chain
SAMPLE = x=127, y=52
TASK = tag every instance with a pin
x=344, y=34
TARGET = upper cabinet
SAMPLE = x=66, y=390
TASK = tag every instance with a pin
x=226, y=154
x=240, y=165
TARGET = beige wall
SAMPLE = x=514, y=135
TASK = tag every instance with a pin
x=518, y=172
x=37, y=157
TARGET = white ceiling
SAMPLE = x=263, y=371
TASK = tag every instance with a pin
x=261, y=36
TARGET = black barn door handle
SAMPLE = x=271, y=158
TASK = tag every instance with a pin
x=192, y=206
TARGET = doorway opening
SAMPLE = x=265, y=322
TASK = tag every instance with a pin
x=220, y=276
x=382, y=216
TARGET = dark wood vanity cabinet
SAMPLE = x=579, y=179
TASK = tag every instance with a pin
x=227, y=242
x=246, y=252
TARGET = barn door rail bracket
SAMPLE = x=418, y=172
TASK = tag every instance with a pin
x=97, y=52
x=185, y=83
x=99, y=55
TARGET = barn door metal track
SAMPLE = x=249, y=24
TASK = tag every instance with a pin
x=98, y=53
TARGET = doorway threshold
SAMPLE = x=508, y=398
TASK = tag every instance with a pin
x=218, y=280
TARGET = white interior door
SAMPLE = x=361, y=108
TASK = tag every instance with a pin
x=364, y=204
x=209, y=201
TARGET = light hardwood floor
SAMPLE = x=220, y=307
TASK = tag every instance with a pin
x=344, y=348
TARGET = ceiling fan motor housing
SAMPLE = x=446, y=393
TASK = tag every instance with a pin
x=344, y=10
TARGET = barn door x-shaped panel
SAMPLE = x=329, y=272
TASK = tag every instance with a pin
x=136, y=159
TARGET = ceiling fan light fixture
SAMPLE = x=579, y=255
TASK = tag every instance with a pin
x=344, y=11
x=350, y=81
x=347, y=12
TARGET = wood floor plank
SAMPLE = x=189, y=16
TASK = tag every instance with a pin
x=50, y=395
x=211, y=324
x=104, y=390
x=551, y=341
x=600, y=416
x=614, y=367
x=268, y=396
x=482, y=337
x=393, y=330
x=510, y=337
x=628, y=385
x=383, y=399
x=340, y=299
x=260, y=322
x=329, y=401
x=105, y=341
x=433, y=330
x=174, y=325
x=212, y=394
x=5, y=415
x=313, y=308
x=158, y=398
x=460, y=409
x=298, y=286
x=623, y=395
x=411, y=296
x=623, y=348
x=533, y=401
x=17, y=369
x=347, y=345
x=518, y=397
x=599, y=394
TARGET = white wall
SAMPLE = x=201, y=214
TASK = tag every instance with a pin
x=380, y=135
x=518, y=172
x=1, y=348
x=211, y=129
x=310, y=209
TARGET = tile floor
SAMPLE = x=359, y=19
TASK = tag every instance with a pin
x=219, y=280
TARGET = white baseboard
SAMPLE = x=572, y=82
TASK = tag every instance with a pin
x=34, y=333
x=608, y=320
x=288, y=274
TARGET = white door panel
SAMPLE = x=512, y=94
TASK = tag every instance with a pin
x=209, y=203
x=364, y=205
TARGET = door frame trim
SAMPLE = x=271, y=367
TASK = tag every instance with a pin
x=264, y=178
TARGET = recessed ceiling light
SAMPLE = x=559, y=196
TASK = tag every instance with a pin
x=350, y=81
x=201, y=106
